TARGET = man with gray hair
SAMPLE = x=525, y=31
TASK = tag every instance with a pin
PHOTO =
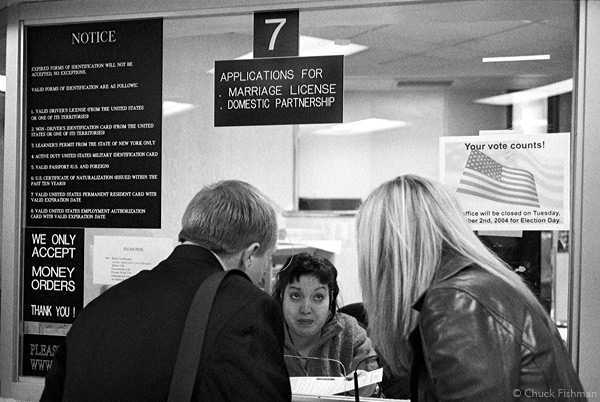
x=123, y=345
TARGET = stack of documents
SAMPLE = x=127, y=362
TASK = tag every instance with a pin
x=333, y=385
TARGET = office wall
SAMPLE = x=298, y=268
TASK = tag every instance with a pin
x=330, y=166
x=196, y=153
x=353, y=165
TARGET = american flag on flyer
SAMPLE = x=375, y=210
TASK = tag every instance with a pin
x=485, y=178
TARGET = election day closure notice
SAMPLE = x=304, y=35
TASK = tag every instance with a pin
x=286, y=90
x=509, y=181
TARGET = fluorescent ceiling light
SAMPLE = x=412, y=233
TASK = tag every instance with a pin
x=361, y=127
x=2, y=83
x=310, y=46
x=543, y=92
x=516, y=58
x=172, y=108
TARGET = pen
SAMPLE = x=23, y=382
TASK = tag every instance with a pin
x=356, y=396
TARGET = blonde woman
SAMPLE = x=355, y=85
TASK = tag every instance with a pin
x=441, y=305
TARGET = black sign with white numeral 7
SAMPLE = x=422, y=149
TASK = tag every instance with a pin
x=276, y=33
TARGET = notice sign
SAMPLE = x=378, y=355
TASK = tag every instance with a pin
x=271, y=91
x=38, y=351
x=509, y=181
x=53, y=274
x=117, y=258
x=276, y=33
x=94, y=120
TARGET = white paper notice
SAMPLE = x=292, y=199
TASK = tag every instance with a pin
x=118, y=258
x=332, y=385
x=509, y=181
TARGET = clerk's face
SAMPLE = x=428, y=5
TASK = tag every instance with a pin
x=306, y=306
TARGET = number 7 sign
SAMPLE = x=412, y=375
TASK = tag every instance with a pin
x=276, y=33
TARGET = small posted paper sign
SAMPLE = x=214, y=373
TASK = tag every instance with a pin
x=117, y=258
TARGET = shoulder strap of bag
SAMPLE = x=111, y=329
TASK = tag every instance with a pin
x=190, y=348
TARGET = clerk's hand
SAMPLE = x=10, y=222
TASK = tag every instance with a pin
x=367, y=390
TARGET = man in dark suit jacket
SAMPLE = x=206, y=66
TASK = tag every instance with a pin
x=122, y=346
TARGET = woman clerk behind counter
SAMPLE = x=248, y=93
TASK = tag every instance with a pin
x=318, y=337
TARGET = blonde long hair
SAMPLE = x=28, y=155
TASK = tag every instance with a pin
x=402, y=228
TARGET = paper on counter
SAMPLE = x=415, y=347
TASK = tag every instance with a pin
x=333, y=385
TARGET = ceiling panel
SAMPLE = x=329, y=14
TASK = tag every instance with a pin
x=425, y=40
x=447, y=40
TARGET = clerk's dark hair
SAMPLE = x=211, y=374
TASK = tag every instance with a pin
x=305, y=264
x=228, y=216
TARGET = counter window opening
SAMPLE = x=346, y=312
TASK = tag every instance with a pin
x=416, y=79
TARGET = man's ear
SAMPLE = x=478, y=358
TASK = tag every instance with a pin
x=248, y=253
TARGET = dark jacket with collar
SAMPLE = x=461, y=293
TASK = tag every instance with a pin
x=122, y=346
x=478, y=339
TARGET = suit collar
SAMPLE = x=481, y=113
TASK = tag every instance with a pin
x=204, y=249
x=197, y=253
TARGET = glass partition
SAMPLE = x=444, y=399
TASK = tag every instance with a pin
x=418, y=76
